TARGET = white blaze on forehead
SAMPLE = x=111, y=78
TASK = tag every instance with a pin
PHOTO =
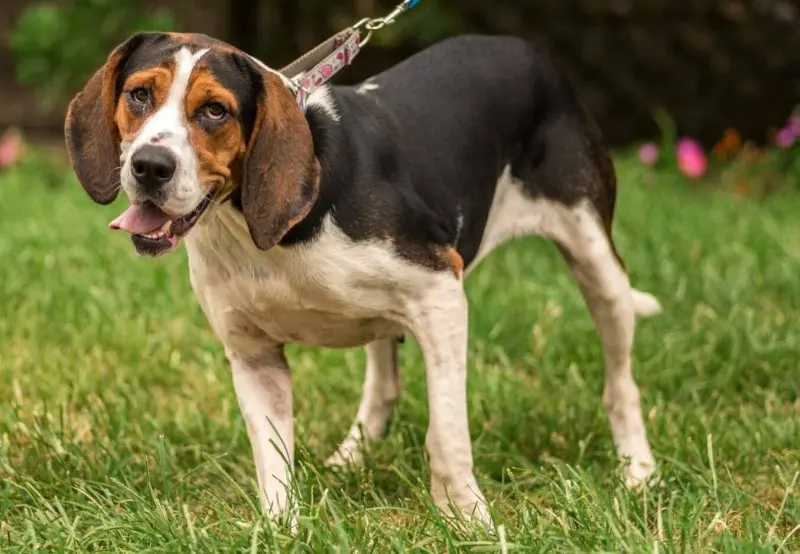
x=168, y=120
x=185, y=61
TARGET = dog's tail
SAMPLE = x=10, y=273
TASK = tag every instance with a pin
x=644, y=304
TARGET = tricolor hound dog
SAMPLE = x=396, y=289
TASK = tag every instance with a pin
x=357, y=221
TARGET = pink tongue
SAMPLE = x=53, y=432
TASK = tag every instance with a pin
x=140, y=219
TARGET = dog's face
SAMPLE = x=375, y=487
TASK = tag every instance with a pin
x=181, y=121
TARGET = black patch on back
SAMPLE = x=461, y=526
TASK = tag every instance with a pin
x=417, y=160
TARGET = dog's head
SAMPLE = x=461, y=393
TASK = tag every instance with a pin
x=178, y=121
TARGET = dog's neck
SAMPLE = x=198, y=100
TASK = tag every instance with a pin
x=336, y=159
x=332, y=149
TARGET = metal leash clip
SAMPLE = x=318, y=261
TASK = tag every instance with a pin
x=314, y=68
x=372, y=24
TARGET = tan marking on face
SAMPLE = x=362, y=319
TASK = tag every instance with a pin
x=219, y=147
x=129, y=119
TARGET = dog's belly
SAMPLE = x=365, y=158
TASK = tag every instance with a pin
x=279, y=312
x=319, y=328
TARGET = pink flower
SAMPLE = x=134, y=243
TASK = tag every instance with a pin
x=691, y=158
x=794, y=125
x=785, y=138
x=648, y=153
x=10, y=147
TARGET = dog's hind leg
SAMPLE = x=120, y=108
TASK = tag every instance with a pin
x=578, y=229
x=381, y=388
x=613, y=305
x=573, y=192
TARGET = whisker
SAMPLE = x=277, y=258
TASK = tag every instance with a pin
x=117, y=169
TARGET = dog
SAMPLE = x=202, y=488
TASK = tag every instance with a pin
x=356, y=221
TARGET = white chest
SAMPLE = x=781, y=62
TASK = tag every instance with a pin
x=332, y=292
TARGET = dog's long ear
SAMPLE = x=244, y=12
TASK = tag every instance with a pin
x=92, y=136
x=280, y=180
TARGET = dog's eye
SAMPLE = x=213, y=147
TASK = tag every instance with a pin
x=140, y=95
x=215, y=111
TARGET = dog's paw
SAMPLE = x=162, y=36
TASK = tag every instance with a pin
x=472, y=514
x=346, y=458
x=640, y=474
x=464, y=502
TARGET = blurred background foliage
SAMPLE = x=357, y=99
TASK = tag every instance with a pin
x=710, y=64
x=58, y=47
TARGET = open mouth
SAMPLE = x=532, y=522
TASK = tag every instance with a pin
x=153, y=231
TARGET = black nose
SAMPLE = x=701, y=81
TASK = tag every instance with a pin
x=153, y=166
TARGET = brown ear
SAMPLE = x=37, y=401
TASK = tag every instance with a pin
x=280, y=181
x=93, y=140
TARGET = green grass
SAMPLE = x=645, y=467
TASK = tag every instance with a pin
x=119, y=429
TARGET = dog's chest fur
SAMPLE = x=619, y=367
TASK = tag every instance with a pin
x=328, y=292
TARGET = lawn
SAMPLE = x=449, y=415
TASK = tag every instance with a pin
x=120, y=431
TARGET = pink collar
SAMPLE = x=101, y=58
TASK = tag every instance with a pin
x=317, y=66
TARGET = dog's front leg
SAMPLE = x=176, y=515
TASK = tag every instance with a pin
x=438, y=320
x=263, y=387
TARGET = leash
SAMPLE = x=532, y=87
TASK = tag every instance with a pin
x=317, y=66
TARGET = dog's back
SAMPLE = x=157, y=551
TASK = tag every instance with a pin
x=451, y=122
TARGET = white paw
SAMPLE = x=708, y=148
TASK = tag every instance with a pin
x=466, y=498
x=347, y=457
x=639, y=472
